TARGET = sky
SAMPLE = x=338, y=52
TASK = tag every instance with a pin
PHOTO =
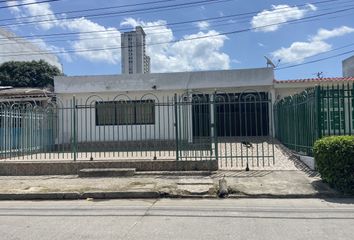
x=302, y=38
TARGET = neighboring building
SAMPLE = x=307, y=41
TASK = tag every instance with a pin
x=134, y=58
x=348, y=67
x=25, y=96
x=14, y=48
x=284, y=88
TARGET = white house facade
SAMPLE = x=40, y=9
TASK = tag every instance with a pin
x=141, y=106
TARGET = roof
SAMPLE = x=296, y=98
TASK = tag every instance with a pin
x=165, y=81
x=317, y=80
x=24, y=92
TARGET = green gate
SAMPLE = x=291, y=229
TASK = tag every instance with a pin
x=234, y=129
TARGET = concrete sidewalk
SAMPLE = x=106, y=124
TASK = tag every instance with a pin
x=241, y=184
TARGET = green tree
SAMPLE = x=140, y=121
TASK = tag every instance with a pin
x=38, y=74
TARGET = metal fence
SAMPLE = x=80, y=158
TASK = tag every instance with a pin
x=303, y=118
x=233, y=128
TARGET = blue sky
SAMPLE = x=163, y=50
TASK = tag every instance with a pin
x=274, y=30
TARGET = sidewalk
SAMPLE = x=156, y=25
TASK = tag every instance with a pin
x=241, y=184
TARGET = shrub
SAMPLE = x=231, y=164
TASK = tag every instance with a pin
x=335, y=161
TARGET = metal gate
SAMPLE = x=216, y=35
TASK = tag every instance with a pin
x=234, y=129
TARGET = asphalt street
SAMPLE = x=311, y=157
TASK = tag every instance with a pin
x=178, y=219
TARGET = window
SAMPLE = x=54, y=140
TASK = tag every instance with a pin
x=125, y=112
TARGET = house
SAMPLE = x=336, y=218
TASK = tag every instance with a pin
x=24, y=118
x=34, y=96
x=141, y=106
x=284, y=88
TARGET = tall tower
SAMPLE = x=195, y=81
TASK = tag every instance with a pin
x=134, y=58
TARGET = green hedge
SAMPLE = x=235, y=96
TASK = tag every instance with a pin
x=335, y=161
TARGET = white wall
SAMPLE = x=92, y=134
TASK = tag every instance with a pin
x=88, y=131
x=163, y=129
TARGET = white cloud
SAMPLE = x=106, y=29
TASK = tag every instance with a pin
x=324, y=34
x=51, y=48
x=298, y=51
x=197, y=54
x=100, y=37
x=166, y=56
x=236, y=61
x=22, y=50
x=105, y=38
x=203, y=25
x=41, y=13
x=278, y=15
x=14, y=10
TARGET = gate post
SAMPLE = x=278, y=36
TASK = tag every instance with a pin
x=176, y=126
x=318, y=111
x=215, y=132
x=74, y=147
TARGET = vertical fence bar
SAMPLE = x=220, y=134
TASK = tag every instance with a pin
x=318, y=112
x=215, y=128
x=74, y=147
x=176, y=127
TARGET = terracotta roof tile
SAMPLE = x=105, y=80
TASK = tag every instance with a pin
x=332, y=79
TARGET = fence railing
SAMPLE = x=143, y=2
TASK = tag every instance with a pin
x=234, y=128
x=303, y=118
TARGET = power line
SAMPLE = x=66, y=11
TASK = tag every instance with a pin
x=153, y=9
x=180, y=40
x=148, y=27
x=129, y=5
x=318, y=54
x=25, y=4
x=117, y=34
x=146, y=3
x=317, y=60
x=90, y=9
x=173, y=6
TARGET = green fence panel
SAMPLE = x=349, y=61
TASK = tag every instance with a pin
x=303, y=118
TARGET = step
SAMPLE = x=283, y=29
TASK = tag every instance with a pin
x=107, y=172
x=173, y=173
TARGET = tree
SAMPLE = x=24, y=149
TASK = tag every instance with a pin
x=38, y=74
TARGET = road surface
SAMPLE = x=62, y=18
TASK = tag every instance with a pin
x=178, y=219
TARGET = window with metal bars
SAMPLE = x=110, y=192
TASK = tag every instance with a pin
x=137, y=112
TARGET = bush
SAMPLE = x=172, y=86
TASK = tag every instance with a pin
x=335, y=161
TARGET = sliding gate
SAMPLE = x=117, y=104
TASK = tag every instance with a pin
x=234, y=128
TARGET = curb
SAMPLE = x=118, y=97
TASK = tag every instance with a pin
x=77, y=196
x=151, y=195
x=289, y=196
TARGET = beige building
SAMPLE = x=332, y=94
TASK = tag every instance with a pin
x=134, y=58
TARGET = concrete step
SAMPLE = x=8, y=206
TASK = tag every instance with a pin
x=107, y=172
x=173, y=173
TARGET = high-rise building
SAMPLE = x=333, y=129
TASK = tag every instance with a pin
x=348, y=67
x=134, y=58
x=15, y=48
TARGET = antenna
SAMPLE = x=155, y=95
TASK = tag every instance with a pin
x=270, y=63
x=319, y=75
